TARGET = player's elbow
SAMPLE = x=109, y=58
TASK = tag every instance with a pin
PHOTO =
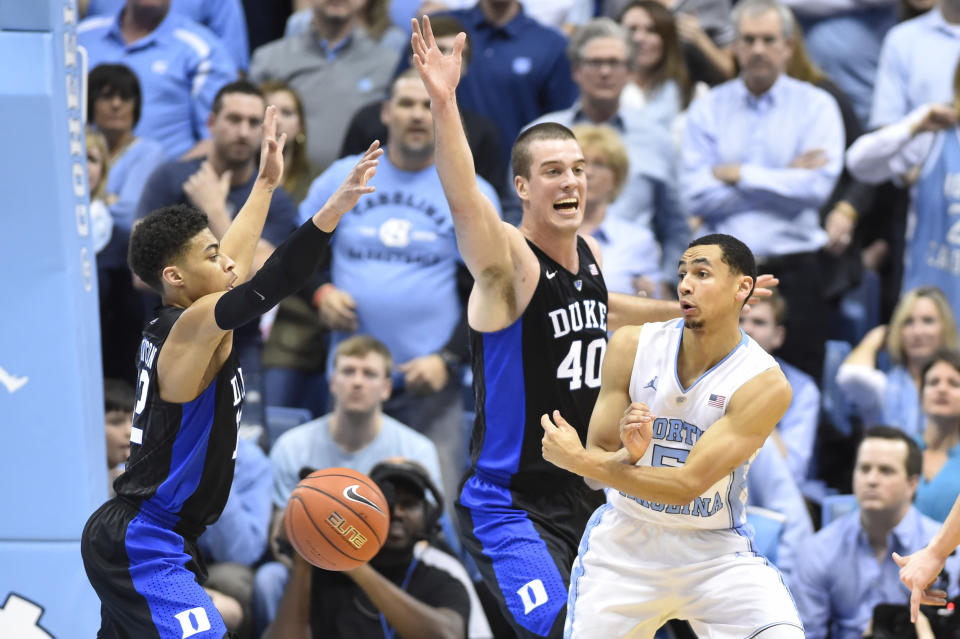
x=688, y=487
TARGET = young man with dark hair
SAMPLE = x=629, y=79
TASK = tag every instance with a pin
x=684, y=406
x=139, y=549
x=848, y=569
x=218, y=185
x=403, y=591
x=539, y=313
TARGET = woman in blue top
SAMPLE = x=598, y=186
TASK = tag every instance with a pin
x=921, y=324
x=940, y=479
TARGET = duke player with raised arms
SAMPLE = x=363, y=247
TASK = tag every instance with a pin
x=684, y=406
x=539, y=313
x=139, y=549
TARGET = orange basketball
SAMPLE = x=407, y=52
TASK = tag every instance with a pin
x=337, y=518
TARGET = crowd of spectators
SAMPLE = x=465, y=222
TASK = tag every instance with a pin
x=822, y=133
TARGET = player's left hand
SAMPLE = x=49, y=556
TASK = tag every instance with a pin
x=271, y=150
x=761, y=290
x=561, y=443
x=424, y=375
x=918, y=572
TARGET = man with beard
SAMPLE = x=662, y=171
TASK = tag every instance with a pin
x=180, y=64
x=399, y=252
x=761, y=155
x=401, y=592
x=218, y=185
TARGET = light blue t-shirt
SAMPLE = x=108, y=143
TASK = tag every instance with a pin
x=396, y=254
x=310, y=445
x=935, y=497
x=932, y=255
x=223, y=17
x=181, y=65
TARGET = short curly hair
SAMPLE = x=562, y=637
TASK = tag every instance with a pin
x=161, y=238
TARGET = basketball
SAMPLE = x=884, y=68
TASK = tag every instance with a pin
x=337, y=518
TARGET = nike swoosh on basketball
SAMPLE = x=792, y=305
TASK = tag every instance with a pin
x=350, y=492
x=550, y=275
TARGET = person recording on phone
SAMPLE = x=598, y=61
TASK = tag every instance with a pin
x=848, y=568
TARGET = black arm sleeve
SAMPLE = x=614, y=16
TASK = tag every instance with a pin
x=286, y=271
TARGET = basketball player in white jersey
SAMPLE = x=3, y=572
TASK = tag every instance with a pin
x=683, y=407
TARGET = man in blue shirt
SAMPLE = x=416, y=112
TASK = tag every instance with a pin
x=519, y=69
x=600, y=55
x=224, y=17
x=218, y=185
x=761, y=155
x=847, y=568
x=394, y=273
x=181, y=66
x=916, y=64
x=844, y=37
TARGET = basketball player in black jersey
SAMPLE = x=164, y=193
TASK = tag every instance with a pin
x=539, y=314
x=139, y=549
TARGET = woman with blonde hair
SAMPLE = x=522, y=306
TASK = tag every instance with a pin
x=631, y=256
x=922, y=323
x=101, y=222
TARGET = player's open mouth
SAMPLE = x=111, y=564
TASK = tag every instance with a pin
x=567, y=205
x=687, y=307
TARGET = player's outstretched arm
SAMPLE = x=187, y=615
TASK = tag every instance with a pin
x=241, y=237
x=919, y=570
x=185, y=358
x=630, y=310
x=751, y=416
x=481, y=235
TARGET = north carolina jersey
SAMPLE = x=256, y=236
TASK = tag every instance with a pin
x=682, y=415
x=181, y=455
x=933, y=250
x=549, y=359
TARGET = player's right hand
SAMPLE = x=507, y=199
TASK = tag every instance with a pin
x=338, y=310
x=440, y=73
x=918, y=572
x=636, y=429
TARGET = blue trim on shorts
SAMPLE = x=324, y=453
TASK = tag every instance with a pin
x=158, y=570
x=518, y=555
x=578, y=566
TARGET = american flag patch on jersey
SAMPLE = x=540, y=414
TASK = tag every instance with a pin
x=593, y=269
x=717, y=401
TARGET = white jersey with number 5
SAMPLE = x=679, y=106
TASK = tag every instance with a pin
x=682, y=415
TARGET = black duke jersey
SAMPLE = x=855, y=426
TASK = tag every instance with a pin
x=181, y=455
x=549, y=359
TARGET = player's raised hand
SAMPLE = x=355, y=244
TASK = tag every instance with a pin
x=762, y=289
x=561, y=444
x=271, y=150
x=440, y=73
x=636, y=430
x=918, y=572
x=350, y=190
